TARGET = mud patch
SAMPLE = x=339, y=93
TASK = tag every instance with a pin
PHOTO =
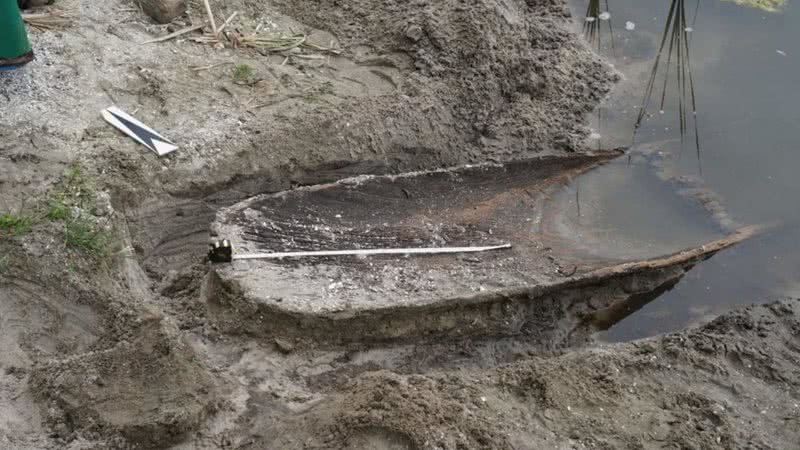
x=149, y=390
x=379, y=439
x=34, y=322
x=683, y=391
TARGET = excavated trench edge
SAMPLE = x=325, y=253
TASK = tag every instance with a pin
x=544, y=310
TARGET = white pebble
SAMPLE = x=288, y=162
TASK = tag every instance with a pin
x=630, y=26
x=605, y=15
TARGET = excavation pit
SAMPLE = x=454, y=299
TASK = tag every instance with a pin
x=544, y=282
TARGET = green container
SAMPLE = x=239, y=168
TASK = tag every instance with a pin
x=15, y=49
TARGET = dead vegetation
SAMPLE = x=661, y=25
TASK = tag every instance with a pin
x=269, y=41
x=52, y=19
x=283, y=42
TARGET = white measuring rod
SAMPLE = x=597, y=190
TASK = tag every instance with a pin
x=373, y=252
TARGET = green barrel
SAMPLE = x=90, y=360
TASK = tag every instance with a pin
x=15, y=49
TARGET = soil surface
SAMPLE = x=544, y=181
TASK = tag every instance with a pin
x=110, y=339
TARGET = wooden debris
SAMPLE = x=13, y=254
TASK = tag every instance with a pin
x=211, y=17
x=175, y=34
x=227, y=21
x=48, y=21
x=281, y=42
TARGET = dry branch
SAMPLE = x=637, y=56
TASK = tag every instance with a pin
x=175, y=34
x=281, y=42
x=50, y=20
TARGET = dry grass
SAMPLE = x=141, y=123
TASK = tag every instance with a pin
x=275, y=42
x=53, y=19
x=281, y=42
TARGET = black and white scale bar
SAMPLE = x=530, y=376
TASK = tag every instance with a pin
x=138, y=131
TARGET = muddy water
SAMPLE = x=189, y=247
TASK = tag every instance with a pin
x=738, y=67
x=601, y=205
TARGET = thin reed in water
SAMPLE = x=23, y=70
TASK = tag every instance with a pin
x=675, y=45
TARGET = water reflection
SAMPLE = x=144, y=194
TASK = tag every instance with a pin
x=738, y=74
x=593, y=32
x=675, y=48
x=593, y=21
x=766, y=5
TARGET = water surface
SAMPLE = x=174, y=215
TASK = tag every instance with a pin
x=729, y=120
